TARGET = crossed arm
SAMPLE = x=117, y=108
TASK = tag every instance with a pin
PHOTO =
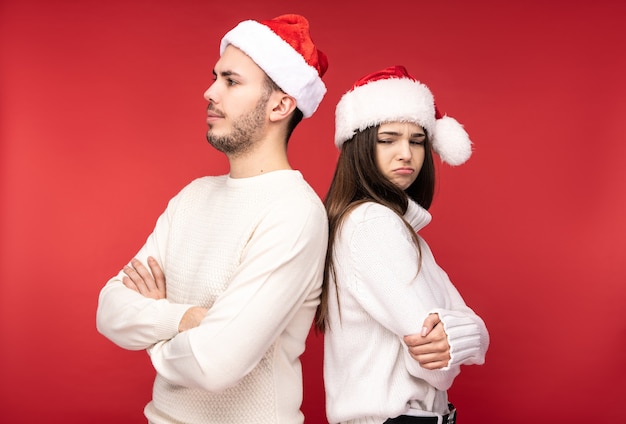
x=430, y=348
x=151, y=284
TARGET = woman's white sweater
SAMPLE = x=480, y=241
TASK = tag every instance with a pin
x=382, y=295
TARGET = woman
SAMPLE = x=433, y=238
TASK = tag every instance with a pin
x=396, y=329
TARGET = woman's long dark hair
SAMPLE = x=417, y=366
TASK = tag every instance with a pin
x=358, y=180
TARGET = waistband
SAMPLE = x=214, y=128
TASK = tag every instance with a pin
x=435, y=418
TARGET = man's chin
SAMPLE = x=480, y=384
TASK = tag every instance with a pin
x=212, y=135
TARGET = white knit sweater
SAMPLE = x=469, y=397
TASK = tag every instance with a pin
x=368, y=373
x=252, y=251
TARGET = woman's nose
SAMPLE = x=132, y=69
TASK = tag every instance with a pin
x=404, y=152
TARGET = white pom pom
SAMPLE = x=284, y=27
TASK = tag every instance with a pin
x=451, y=142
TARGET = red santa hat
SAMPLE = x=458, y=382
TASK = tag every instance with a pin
x=393, y=95
x=283, y=48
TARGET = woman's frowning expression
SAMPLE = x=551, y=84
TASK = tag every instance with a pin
x=400, y=152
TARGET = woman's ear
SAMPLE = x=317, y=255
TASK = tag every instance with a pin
x=283, y=104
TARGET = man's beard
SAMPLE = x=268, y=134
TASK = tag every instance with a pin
x=245, y=131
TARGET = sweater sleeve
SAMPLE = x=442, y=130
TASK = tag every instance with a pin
x=385, y=261
x=467, y=334
x=131, y=320
x=280, y=271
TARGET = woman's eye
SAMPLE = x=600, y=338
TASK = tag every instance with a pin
x=385, y=141
x=418, y=139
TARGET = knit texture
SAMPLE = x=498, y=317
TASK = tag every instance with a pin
x=252, y=251
x=368, y=373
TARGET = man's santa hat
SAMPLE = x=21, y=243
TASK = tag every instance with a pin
x=283, y=48
x=393, y=95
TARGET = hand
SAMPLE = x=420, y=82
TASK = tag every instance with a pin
x=139, y=279
x=192, y=318
x=430, y=348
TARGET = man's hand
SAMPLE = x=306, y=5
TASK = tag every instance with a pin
x=138, y=278
x=192, y=318
x=430, y=348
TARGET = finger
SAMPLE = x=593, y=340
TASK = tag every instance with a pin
x=147, y=278
x=412, y=340
x=434, y=365
x=433, y=347
x=129, y=283
x=437, y=334
x=425, y=350
x=432, y=330
x=157, y=273
x=132, y=274
x=425, y=360
x=429, y=323
x=137, y=281
x=433, y=355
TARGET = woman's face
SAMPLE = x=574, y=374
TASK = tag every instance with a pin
x=400, y=152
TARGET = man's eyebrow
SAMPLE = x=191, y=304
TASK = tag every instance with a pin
x=226, y=73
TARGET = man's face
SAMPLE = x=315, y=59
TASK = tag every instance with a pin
x=237, y=112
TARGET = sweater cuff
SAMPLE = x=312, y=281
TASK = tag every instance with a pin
x=464, y=337
x=169, y=318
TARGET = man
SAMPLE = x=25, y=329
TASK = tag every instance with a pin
x=223, y=293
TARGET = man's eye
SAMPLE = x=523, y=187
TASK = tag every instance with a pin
x=230, y=81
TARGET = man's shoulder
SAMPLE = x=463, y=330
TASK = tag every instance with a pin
x=297, y=204
x=300, y=200
x=203, y=184
x=210, y=180
x=291, y=187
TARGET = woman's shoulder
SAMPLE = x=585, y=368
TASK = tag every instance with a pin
x=372, y=222
x=371, y=211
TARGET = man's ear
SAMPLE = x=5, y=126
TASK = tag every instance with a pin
x=283, y=104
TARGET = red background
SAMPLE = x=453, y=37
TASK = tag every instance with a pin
x=102, y=121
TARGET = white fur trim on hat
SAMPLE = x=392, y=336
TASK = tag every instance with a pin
x=388, y=100
x=284, y=65
x=400, y=100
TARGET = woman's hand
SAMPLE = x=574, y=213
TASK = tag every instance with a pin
x=430, y=348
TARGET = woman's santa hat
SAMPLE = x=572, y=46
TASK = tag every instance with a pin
x=393, y=95
x=283, y=48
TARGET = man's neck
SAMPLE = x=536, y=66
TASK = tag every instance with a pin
x=264, y=158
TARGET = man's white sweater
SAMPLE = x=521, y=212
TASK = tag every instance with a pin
x=384, y=294
x=252, y=251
